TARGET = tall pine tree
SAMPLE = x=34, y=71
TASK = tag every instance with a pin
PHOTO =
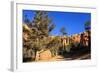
x=41, y=27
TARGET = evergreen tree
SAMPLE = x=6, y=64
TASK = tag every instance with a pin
x=41, y=27
x=42, y=24
x=87, y=25
x=63, y=31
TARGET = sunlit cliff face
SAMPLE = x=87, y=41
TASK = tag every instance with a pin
x=86, y=38
x=76, y=38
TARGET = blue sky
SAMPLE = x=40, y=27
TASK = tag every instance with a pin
x=72, y=21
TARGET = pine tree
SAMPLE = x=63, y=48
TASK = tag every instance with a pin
x=42, y=24
x=63, y=31
x=87, y=25
x=41, y=27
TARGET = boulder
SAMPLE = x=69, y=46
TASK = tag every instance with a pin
x=44, y=55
